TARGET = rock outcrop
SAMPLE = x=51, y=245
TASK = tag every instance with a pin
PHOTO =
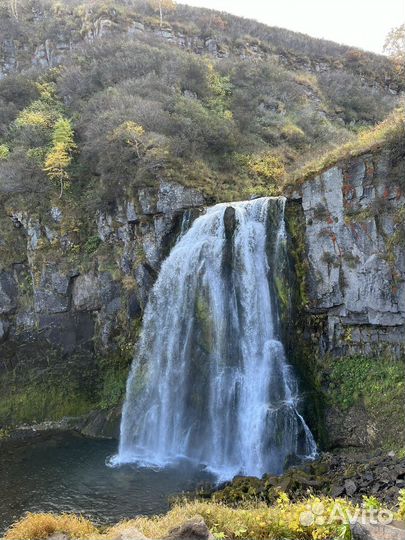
x=354, y=215
x=65, y=321
x=349, y=234
x=378, y=531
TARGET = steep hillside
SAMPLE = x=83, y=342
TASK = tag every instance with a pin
x=213, y=101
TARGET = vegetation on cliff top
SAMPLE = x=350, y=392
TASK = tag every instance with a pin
x=388, y=133
x=140, y=109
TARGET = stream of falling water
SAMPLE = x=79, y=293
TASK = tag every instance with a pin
x=210, y=380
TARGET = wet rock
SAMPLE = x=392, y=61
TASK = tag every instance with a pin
x=350, y=487
x=86, y=293
x=4, y=325
x=8, y=292
x=104, y=424
x=134, y=307
x=52, y=294
x=68, y=332
x=229, y=221
x=145, y=277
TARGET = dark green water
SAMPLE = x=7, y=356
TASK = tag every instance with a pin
x=67, y=473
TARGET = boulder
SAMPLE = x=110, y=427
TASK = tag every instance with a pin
x=52, y=293
x=104, y=424
x=378, y=531
x=350, y=487
x=193, y=529
x=130, y=534
x=86, y=293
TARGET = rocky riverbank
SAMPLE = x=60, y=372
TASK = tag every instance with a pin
x=354, y=476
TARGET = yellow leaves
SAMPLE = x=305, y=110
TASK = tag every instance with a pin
x=267, y=165
x=36, y=526
x=131, y=134
x=284, y=520
x=33, y=118
x=129, y=131
x=63, y=133
x=395, y=43
x=167, y=5
x=367, y=140
x=4, y=152
x=283, y=499
x=401, y=504
x=46, y=90
x=39, y=113
x=57, y=161
x=59, y=156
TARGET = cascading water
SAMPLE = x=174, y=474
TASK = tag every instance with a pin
x=210, y=380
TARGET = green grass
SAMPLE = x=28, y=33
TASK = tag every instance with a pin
x=378, y=384
x=368, y=140
x=43, y=402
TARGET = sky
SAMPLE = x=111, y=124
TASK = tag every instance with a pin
x=360, y=23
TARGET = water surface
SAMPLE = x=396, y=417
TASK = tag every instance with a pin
x=67, y=473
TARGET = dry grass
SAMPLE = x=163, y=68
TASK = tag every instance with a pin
x=42, y=526
x=368, y=140
x=252, y=521
x=255, y=521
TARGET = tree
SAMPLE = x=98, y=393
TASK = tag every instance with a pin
x=160, y=5
x=132, y=134
x=395, y=47
x=59, y=156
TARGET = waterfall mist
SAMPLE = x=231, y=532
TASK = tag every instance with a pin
x=210, y=380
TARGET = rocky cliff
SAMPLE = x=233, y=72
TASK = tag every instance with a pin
x=354, y=216
x=68, y=326
x=351, y=222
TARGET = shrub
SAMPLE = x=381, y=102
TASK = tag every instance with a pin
x=41, y=526
x=4, y=152
x=401, y=504
x=267, y=166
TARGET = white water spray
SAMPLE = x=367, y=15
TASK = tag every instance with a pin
x=210, y=380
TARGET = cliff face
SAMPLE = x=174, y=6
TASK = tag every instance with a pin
x=354, y=215
x=68, y=325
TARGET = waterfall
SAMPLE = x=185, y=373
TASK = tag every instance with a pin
x=210, y=380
